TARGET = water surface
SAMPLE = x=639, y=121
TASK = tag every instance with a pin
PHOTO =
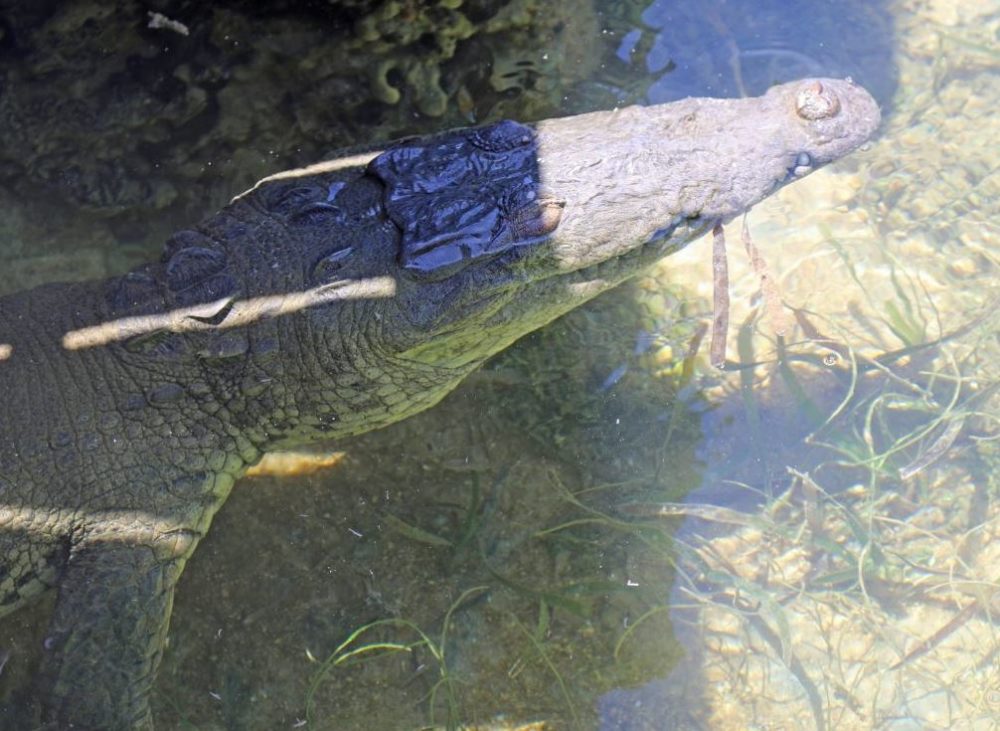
x=516, y=535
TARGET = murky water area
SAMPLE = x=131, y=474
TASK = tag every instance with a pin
x=599, y=530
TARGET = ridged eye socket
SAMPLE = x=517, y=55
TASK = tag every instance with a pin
x=286, y=200
x=316, y=214
x=502, y=136
x=191, y=266
x=135, y=293
x=815, y=101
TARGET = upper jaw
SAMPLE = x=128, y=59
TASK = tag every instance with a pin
x=619, y=189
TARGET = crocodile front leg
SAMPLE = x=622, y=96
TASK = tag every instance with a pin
x=107, y=633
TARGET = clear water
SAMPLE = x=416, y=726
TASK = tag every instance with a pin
x=598, y=530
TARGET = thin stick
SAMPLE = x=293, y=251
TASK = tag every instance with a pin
x=768, y=287
x=720, y=282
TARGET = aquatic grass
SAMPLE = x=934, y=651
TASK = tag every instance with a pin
x=986, y=49
x=916, y=392
x=351, y=649
x=473, y=516
x=903, y=315
x=578, y=595
x=862, y=557
x=720, y=585
x=745, y=352
x=415, y=533
x=684, y=376
x=805, y=404
x=636, y=624
x=906, y=318
x=539, y=647
x=865, y=516
x=652, y=536
x=709, y=578
x=594, y=528
x=876, y=443
x=847, y=515
x=560, y=599
x=564, y=605
x=183, y=723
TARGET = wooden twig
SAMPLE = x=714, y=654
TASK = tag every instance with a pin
x=768, y=286
x=720, y=281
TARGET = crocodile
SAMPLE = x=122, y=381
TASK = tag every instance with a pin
x=325, y=302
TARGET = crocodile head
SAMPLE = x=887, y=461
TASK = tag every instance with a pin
x=415, y=264
x=504, y=228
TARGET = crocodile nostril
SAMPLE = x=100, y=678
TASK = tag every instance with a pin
x=814, y=101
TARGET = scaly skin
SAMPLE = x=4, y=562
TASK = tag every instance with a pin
x=327, y=302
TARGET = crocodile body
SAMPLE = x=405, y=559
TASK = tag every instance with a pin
x=322, y=303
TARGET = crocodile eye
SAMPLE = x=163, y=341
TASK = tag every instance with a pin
x=802, y=165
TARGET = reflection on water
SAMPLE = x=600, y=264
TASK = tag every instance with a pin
x=836, y=593
x=742, y=47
